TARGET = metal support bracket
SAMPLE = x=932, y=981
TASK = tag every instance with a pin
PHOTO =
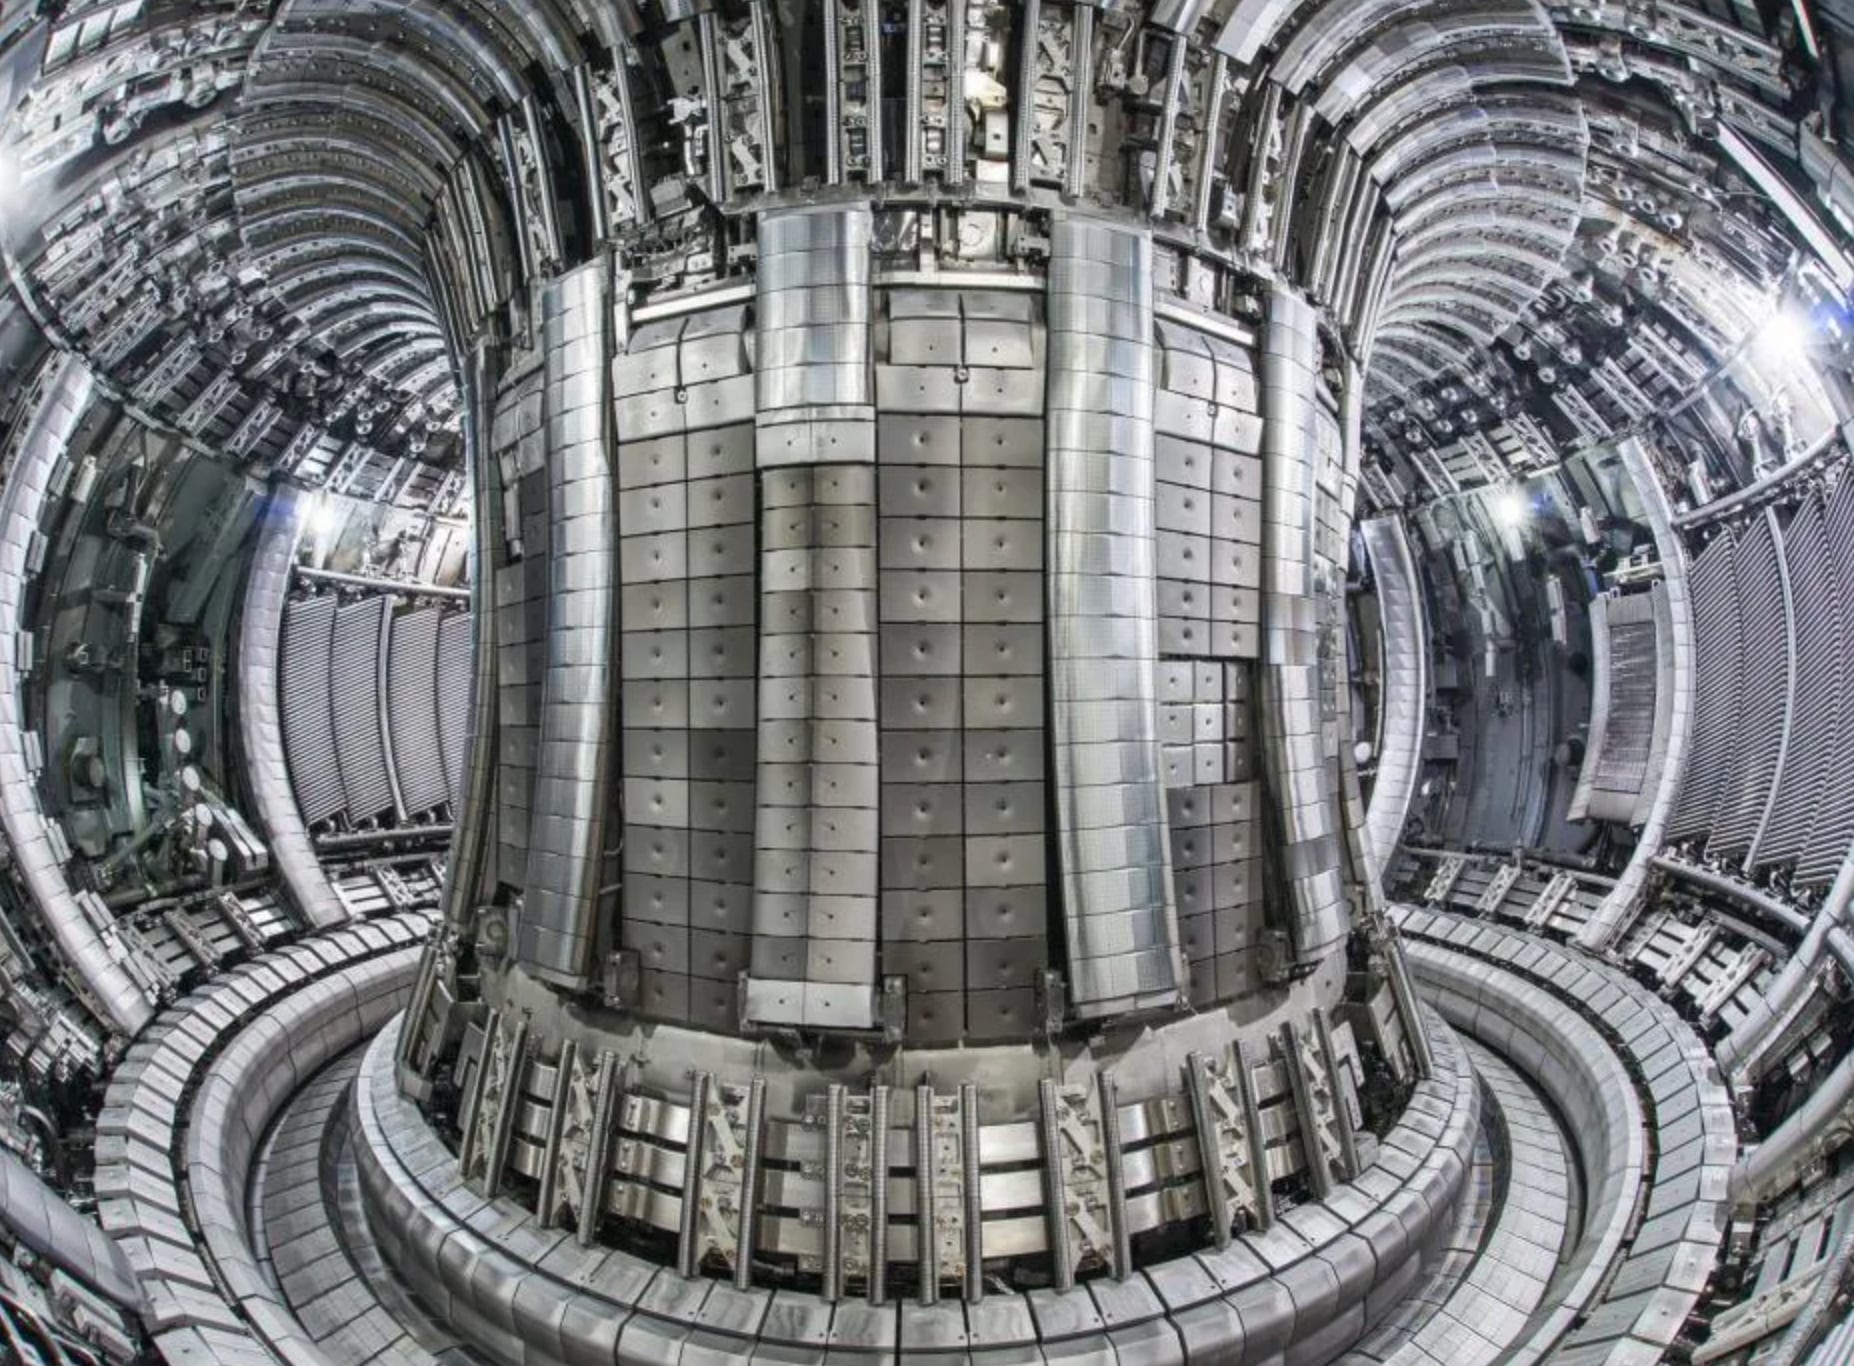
x=1316, y=1105
x=497, y=1093
x=1556, y=893
x=1230, y=1143
x=1442, y=883
x=1503, y=879
x=1084, y=1223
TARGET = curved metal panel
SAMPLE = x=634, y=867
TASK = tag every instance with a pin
x=1113, y=843
x=1718, y=659
x=566, y=833
x=260, y=727
x=38, y=1218
x=1765, y=693
x=415, y=699
x=307, y=644
x=1293, y=754
x=1808, y=775
x=453, y=680
x=358, y=708
x=1404, y=682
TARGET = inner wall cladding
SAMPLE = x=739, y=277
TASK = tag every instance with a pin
x=757, y=597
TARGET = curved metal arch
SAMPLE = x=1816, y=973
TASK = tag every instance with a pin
x=300, y=140
x=443, y=33
x=1421, y=371
x=1509, y=281
x=1392, y=369
x=382, y=338
x=316, y=307
x=1464, y=254
x=1498, y=290
x=541, y=29
x=352, y=61
x=89, y=958
x=326, y=184
x=426, y=376
x=335, y=325
x=1487, y=210
x=1380, y=70
x=1457, y=310
x=342, y=165
x=1424, y=347
x=1391, y=108
x=1486, y=213
x=1404, y=682
x=1477, y=333
x=1334, y=33
x=1497, y=124
x=378, y=229
x=304, y=271
x=371, y=106
x=1540, y=168
x=295, y=232
x=260, y=720
x=1254, y=24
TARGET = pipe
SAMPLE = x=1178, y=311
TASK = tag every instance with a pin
x=1755, y=897
x=362, y=839
x=376, y=583
x=1793, y=1144
x=1741, y=1054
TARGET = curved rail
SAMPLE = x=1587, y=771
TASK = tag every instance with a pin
x=1404, y=685
x=260, y=727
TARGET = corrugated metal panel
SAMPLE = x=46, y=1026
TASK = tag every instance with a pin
x=1719, y=660
x=354, y=693
x=412, y=701
x=453, y=675
x=1832, y=830
x=308, y=722
x=1808, y=771
x=1763, y=695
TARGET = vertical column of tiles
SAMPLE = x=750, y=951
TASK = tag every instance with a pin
x=520, y=445
x=816, y=850
x=923, y=811
x=654, y=561
x=1003, y=487
x=817, y=860
x=1235, y=505
x=722, y=668
x=1209, y=561
x=1331, y=552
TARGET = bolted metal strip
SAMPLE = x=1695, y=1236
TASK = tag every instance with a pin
x=686, y=1258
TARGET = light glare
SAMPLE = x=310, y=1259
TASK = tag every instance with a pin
x=324, y=518
x=1783, y=341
